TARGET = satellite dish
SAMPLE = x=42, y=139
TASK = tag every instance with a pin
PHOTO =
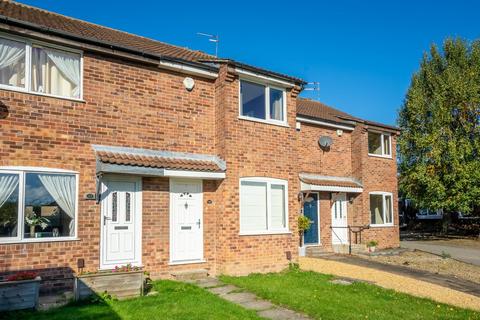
x=189, y=83
x=325, y=142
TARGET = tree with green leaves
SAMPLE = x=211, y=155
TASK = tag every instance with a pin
x=439, y=148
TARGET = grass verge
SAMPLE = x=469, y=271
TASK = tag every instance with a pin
x=174, y=300
x=313, y=294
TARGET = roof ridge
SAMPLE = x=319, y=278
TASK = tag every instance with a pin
x=104, y=27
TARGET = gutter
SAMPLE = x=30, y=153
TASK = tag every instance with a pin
x=163, y=61
x=325, y=123
x=241, y=68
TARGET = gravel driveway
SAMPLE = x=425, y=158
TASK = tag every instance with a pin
x=393, y=281
x=459, y=250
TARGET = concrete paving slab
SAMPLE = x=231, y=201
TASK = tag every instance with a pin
x=208, y=283
x=223, y=290
x=240, y=297
x=279, y=313
x=258, y=305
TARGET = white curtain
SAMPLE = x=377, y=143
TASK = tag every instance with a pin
x=277, y=109
x=8, y=184
x=10, y=54
x=69, y=66
x=62, y=189
x=56, y=72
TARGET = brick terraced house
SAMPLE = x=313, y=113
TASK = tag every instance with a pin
x=118, y=149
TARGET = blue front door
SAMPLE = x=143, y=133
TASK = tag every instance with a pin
x=310, y=210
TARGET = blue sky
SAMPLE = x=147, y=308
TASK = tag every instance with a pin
x=363, y=53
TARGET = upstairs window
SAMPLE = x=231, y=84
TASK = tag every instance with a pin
x=32, y=67
x=379, y=144
x=262, y=102
x=12, y=63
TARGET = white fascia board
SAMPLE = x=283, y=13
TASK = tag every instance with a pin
x=312, y=187
x=325, y=124
x=37, y=169
x=260, y=77
x=194, y=174
x=188, y=69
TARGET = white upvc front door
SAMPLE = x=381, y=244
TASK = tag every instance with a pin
x=121, y=222
x=339, y=219
x=186, y=221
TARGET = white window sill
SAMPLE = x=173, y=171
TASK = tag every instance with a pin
x=275, y=123
x=382, y=225
x=40, y=240
x=21, y=90
x=176, y=263
x=264, y=233
x=379, y=156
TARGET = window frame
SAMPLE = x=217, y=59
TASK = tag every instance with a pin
x=267, y=88
x=382, y=144
x=384, y=203
x=29, y=44
x=269, y=182
x=22, y=172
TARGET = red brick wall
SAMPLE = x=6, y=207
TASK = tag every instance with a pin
x=348, y=157
x=377, y=174
x=254, y=149
x=138, y=106
x=334, y=162
x=125, y=105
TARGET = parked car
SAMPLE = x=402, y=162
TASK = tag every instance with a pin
x=429, y=214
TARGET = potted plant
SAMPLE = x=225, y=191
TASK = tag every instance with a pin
x=20, y=291
x=122, y=282
x=34, y=220
x=303, y=225
x=372, y=245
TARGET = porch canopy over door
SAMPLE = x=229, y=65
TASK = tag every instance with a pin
x=315, y=182
x=158, y=163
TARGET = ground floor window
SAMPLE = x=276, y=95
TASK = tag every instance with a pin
x=37, y=205
x=263, y=205
x=381, y=208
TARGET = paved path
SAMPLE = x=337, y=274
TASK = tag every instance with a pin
x=264, y=308
x=417, y=284
x=465, y=254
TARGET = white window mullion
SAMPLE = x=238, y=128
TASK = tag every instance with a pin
x=28, y=66
x=21, y=206
x=267, y=103
x=382, y=145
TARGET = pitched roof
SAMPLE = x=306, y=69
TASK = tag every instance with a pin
x=158, y=159
x=61, y=23
x=318, y=110
x=83, y=31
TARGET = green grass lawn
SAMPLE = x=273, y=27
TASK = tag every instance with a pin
x=174, y=301
x=313, y=294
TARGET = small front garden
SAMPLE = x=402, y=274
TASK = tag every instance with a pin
x=174, y=300
x=317, y=295
x=314, y=294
